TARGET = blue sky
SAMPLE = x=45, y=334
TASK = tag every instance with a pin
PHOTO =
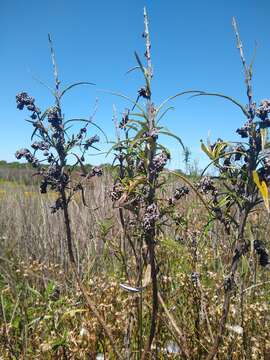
x=193, y=47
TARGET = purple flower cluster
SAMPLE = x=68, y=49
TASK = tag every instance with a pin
x=53, y=177
x=159, y=162
x=23, y=99
x=116, y=191
x=206, y=185
x=151, y=215
x=178, y=194
x=54, y=117
x=263, y=110
x=25, y=153
x=95, y=171
x=152, y=133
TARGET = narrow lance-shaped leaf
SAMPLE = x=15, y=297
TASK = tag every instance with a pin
x=237, y=103
x=168, y=133
x=73, y=85
x=262, y=188
x=207, y=151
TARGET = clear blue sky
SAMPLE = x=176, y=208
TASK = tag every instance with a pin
x=193, y=47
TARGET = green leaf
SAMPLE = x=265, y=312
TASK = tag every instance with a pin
x=144, y=71
x=219, y=147
x=131, y=127
x=89, y=122
x=175, y=96
x=127, y=98
x=237, y=103
x=138, y=137
x=168, y=133
x=262, y=188
x=207, y=151
x=140, y=63
x=132, y=69
x=73, y=85
x=164, y=113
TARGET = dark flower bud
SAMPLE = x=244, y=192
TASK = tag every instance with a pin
x=31, y=107
x=50, y=158
x=43, y=186
x=244, y=131
x=57, y=206
x=41, y=145
x=141, y=166
x=23, y=99
x=89, y=142
x=179, y=193
x=125, y=119
x=262, y=252
x=239, y=150
x=20, y=106
x=229, y=284
x=144, y=92
x=21, y=153
x=54, y=116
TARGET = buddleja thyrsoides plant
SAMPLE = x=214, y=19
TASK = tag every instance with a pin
x=57, y=147
x=243, y=180
x=62, y=154
x=141, y=159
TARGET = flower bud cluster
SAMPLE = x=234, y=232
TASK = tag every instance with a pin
x=117, y=191
x=54, y=117
x=263, y=110
x=29, y=157
x=95, y=171
x=178, y=194
x=23, y=99
x=206, y=185
x=89, y=142
x=262, y=252
x=40, y=145
x=244, y=130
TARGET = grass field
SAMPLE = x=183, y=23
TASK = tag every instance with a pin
x=43, y=315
